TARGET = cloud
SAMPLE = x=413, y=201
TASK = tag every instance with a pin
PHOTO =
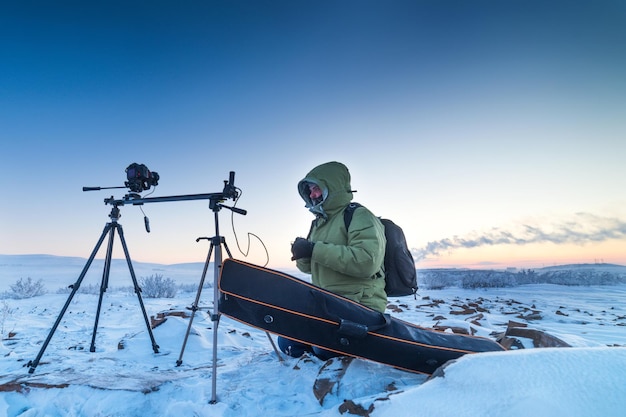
x=583, y=228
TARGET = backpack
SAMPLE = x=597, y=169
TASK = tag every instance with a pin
x=400, y=272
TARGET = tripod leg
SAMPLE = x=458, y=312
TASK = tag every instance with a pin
x=103, y=287
x=194, y=306
x=226, y=247
x=280, y=357
x=33, y=364
x=215, y=316
x=155, y=347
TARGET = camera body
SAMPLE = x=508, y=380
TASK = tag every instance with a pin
x=140, y=178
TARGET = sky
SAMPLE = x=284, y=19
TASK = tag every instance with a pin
x=491, y=132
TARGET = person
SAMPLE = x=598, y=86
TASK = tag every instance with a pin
x=348, y=263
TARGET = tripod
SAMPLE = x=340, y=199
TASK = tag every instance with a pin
x=216, y=246
x=109, y=230
x=217, y=242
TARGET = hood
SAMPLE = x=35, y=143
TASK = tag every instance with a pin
x=333, y=178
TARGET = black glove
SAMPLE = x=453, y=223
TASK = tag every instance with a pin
x=301, y=248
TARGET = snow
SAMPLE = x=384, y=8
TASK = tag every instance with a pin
x=542, y=382
x=125, y=377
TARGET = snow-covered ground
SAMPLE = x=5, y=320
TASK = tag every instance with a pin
x=124, y=377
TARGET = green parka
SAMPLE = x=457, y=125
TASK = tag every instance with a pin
x=348, y=264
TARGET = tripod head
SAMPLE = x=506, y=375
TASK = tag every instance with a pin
x=230, y=191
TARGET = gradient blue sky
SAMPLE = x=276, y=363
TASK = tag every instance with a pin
x=493, y=132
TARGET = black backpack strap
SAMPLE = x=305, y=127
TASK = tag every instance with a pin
x=348, y=212
x=347, y=219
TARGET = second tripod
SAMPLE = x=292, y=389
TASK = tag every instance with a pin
x=109, y=230
x=216, y=247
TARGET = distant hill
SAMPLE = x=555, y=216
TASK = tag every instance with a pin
x=598, y=266
x=61, y=271
x=572, y=274
x=58, y=272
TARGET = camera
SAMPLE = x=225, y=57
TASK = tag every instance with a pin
x=140, y=178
